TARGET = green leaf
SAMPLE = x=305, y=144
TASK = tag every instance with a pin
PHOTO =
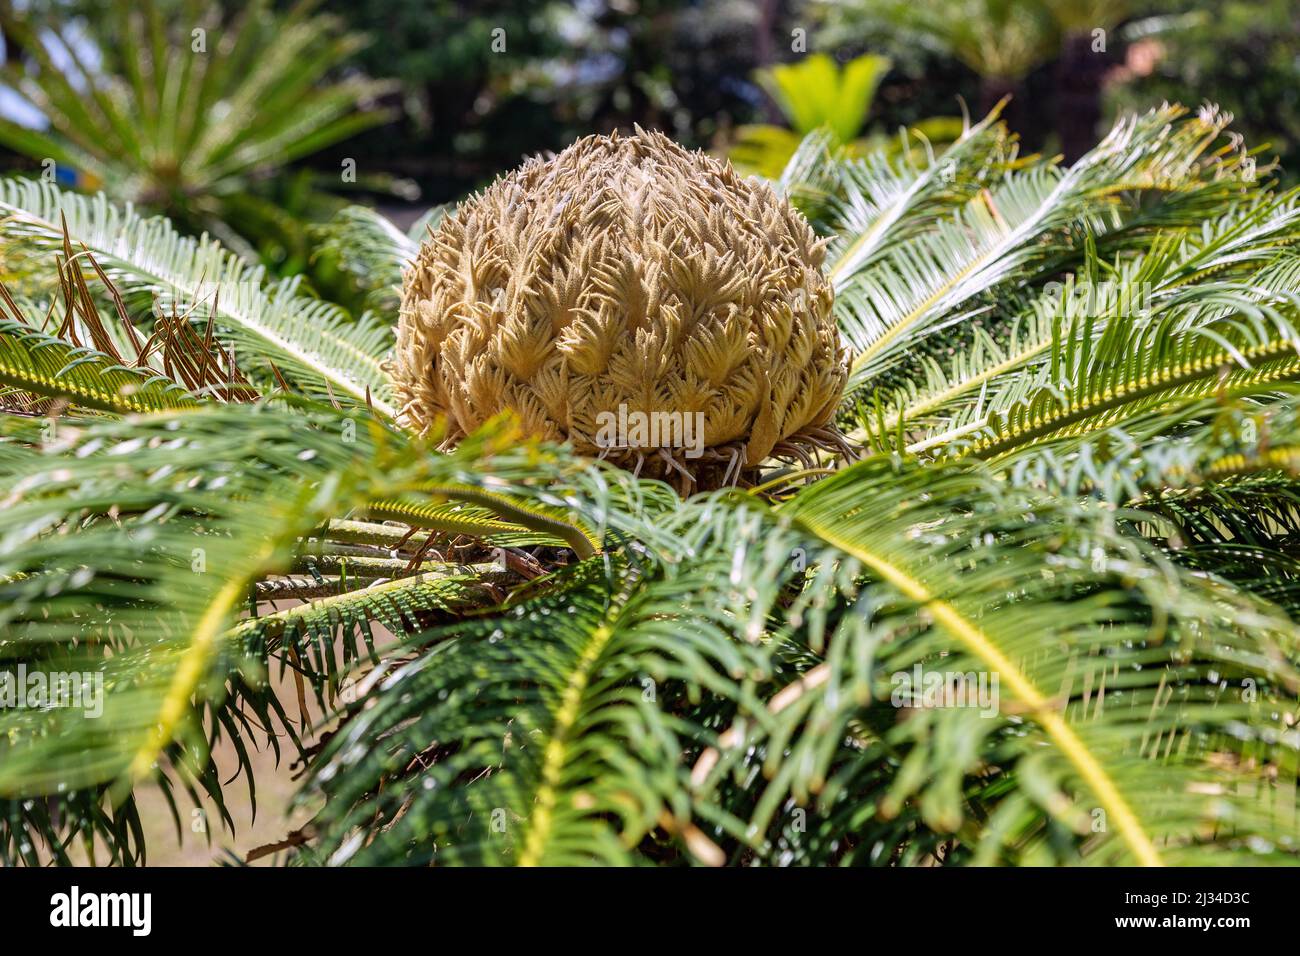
x=313, y=343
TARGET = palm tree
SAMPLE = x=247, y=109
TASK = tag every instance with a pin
x=191, y=112
x=1085, y=505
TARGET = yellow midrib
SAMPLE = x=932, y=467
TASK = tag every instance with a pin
x=189, y=672
x=899, y=327
x=1041, y=710
x=553, y=760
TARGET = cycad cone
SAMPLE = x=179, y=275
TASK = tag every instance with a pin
x=626, y=274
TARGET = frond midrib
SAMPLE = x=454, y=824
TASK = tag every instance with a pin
x=555, y=756
x=1038, y=706
x=1270, y=362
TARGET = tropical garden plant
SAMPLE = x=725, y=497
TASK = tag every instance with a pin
x=191, y=112
x=1070, y=393
x=1005, y=41
x=815, y=94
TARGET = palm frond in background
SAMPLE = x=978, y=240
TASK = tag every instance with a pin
x=184, y=110
x=815, y=94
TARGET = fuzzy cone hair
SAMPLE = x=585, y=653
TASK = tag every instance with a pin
x=626, y=272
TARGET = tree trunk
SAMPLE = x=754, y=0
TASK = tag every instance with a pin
x=1079, y=75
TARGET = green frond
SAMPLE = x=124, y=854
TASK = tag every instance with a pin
x=1119, y=690
x=548, y=517
x=478, y=522
x=169, y=560
x=394, y=604
x=886, y=201
x=1136, y=367
x=400, y=605
x=29, y=826
x=1168, y=453
x=313, y=343
x=544, y=741
x=1246, y=247
x=129, y=549
x=1002, y=231
x=43, y=365
x=571, y=752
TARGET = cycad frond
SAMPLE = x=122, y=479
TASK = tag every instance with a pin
x=400, y=605
x=887, y=201
x=129, y=548
x=1110, y=704
x=1002, y=230
x=571, y=752
x=174, y=558
x=1136, y=366
x=570, y=757
x=545, y=520
x=1170, y=453
x=310, y=341
x=43, y=365
x=1246, y=247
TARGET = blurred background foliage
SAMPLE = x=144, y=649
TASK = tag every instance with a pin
x=290, y=122
x=426, y=100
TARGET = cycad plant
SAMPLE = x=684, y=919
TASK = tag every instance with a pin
x=185, y=110
x=1043, y=613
